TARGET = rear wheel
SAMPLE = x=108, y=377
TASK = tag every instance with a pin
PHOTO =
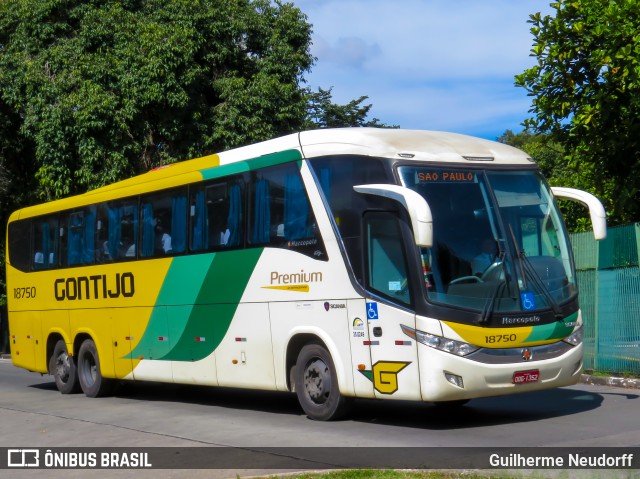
x=316, y=385
x=91, y=380
x=63, y=368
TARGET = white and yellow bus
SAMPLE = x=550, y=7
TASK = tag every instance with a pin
x=339, y=264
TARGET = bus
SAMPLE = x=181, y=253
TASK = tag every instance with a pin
x=336, y=264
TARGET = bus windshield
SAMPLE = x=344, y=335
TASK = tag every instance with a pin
x=499, y=243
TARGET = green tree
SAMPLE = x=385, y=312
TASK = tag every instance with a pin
x=106, y=89
x=551, y=158
x=586, y=95
x=94, y=91
x=323, y=113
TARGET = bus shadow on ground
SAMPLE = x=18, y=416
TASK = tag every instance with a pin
x=524, y=407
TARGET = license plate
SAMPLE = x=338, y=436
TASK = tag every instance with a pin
x=524, y=377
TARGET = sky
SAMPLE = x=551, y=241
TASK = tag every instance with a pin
x=427, y=64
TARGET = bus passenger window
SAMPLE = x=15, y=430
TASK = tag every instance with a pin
x=80, y=236
x=280, y=214
x=45, y=242
x=121, y=231
x=217, y=216
x=164, y=223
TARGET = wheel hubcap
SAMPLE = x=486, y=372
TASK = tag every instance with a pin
x=317, y=381
x=63, y=367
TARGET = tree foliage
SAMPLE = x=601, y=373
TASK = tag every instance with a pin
x=550, y=156
x=586, y=95
x=323, y=113
x=94, y=91
x=107, y=89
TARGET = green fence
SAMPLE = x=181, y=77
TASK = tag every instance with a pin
x=609, y=283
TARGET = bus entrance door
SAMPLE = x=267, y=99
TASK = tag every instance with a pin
x=394, y=360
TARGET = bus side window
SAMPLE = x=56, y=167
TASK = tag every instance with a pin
x=217, y=215
x=120, y=237
x=45, y=242
x=280, y=213
x=103, y=255
x=80, y=236
x=386, y=264
x=164, y=223
x=19, y=244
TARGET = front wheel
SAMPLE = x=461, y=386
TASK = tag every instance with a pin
x=91, y=380
x=63, y=368
x=316, y=385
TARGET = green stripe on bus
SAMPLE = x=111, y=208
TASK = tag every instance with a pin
x=196, y=305
x=248, y=165
x=557, y=330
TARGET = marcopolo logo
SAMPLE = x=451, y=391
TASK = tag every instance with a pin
x=99, y=286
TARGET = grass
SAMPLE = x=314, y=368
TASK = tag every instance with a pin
x=389, y=474
x=630, y=375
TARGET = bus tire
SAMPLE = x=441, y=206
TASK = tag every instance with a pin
x=316, y=385
x=91, y=380
x=64, y=370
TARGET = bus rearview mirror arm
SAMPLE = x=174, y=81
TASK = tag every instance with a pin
x=416, y=206
x=596, y=210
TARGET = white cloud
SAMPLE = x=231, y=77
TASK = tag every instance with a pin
x=426, y=63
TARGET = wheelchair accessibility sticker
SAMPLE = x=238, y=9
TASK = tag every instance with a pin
x=528, y=301
x=372, y=311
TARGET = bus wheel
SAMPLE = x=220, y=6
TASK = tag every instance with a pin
x=91, y=381
x=63, y=368
x=316, y=385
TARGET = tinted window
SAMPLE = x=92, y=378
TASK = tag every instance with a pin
x=78, y=236
x=46, y=236
x=163, y=219
x=19, y=244
x=217, y=219
x=337, y=176
x=280, y=214
x=386, y=259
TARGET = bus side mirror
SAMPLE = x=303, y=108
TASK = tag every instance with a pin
x=596, y=210
x=416, y=206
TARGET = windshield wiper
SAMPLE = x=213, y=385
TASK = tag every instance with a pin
x=542, y=287
x=487, y=309
x=525, y=264
x=489, y=305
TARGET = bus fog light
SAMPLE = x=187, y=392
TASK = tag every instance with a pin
x=454, y=379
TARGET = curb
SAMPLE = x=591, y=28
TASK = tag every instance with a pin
x=628, y=383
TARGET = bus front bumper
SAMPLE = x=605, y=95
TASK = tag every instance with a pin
x=447, y=377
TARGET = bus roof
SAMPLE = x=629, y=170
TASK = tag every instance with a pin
x=419, y=145
x=416, y=145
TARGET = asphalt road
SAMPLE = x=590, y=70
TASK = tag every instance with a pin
x=34, y=414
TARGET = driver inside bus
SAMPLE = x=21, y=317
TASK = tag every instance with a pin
x=486, y=258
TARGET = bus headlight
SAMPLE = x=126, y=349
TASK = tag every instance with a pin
x=452, y=346
x=575, y=338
